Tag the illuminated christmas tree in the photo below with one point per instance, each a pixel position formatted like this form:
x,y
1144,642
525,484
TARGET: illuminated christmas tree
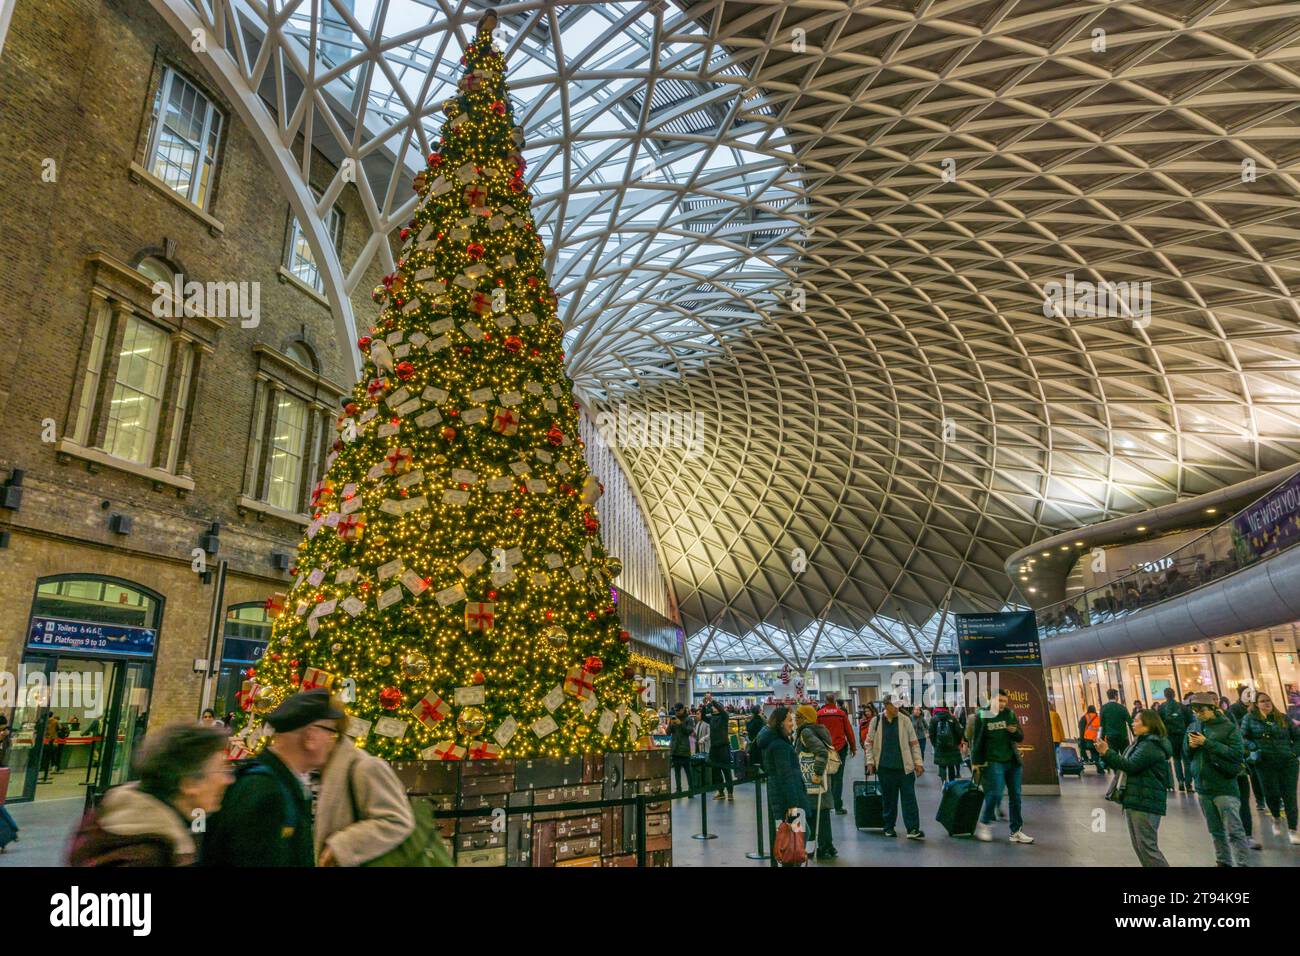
x,y
452,583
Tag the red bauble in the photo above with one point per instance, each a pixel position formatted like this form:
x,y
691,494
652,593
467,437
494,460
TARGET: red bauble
x,y
514,343
449,433
591,615
404,233
405,370
475,251
624,636
629,671
390,698
549,615
492,595
499,108
555,436
363,343
592,665
351,408
478,677
532,282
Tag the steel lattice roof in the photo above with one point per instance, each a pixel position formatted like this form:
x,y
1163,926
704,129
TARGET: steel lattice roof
x,y
919,172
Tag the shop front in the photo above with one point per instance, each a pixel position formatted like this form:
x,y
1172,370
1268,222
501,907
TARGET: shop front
x,y
244,639
1257,660
81,695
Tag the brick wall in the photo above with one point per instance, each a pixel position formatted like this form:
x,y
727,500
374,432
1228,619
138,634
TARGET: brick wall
x,y
76,80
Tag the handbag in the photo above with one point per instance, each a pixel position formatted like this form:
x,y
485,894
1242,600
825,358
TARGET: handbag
x,y
1118,786
790,848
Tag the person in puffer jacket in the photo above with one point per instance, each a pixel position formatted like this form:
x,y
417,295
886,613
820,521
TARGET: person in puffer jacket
x,y
815,739
1145,763
1272,742
1218,760
183,772
785,789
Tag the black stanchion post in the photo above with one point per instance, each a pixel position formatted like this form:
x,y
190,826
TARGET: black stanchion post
x,y
640,829
758,820
704,833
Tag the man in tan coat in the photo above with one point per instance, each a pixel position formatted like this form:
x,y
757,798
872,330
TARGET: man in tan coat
x,y
893,751
362,810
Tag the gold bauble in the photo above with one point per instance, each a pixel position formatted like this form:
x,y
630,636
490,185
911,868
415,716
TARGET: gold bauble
x,y
265,700
471,721
384,660
556,636
614,566
414,664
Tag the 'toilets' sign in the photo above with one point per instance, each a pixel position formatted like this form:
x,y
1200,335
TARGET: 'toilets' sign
x,y
88,637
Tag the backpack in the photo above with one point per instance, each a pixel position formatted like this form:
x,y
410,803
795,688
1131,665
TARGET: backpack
x,y
943,733
254,767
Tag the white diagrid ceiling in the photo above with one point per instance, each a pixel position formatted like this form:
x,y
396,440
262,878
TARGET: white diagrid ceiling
x,y
918,172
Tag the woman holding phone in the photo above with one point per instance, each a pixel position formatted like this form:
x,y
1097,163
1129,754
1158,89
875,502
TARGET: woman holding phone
x,y
1142,789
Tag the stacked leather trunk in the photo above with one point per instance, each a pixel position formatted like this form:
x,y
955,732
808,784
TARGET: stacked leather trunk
x,y
595,836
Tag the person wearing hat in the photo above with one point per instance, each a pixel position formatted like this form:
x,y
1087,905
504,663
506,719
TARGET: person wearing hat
x,y
1218,759
816,740
265,818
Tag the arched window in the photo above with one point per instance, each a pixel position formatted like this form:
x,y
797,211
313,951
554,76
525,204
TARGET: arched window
x,y
301,353
154,268
93,597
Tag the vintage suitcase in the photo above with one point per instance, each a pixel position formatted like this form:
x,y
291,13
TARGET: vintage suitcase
x,y
576,846
581,861
544,843
662,858
658,823
960,806
480,840
547,772
519,839
645,764
593,768
613,776
491,857
623,859
581,793
663,841
483,801
868,806
475,786
422,777
477,824
487,768
588,825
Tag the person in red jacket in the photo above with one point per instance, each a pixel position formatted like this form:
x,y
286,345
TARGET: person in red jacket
x,y
842,739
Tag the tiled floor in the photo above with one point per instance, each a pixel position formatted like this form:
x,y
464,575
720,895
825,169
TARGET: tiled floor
x,y
1078,828
43,830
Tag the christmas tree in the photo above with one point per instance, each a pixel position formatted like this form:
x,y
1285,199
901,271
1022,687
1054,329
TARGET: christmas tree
x,y
452,584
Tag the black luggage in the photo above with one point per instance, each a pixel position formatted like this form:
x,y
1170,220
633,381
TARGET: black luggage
x,y
959,808
1068,761
868,806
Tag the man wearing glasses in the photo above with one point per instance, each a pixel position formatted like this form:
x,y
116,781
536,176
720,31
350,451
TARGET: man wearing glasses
x,y
265,817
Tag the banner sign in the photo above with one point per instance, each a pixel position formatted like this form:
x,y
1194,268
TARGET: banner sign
x,y
1001,652
88,637
1270,524
1007,639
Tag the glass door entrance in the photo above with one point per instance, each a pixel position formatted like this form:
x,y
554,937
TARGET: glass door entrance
x,y
76,726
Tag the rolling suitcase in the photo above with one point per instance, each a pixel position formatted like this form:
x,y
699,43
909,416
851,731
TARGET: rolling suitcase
x,y
868,805
959,808
1068,761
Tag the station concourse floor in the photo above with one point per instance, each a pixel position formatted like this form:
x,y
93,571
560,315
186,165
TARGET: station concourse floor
x,y
1063,829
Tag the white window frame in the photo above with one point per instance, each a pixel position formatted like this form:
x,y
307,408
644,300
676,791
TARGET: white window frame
x,y
199,189
299,264
159,401
274,451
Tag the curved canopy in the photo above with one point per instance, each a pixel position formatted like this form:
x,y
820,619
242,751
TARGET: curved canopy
x,y
837,255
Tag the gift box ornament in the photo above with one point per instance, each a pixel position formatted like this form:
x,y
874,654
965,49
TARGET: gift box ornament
x,y
399,461
431,709
275,604
314,677
479,616
352,527
579,683
505,421
445,750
